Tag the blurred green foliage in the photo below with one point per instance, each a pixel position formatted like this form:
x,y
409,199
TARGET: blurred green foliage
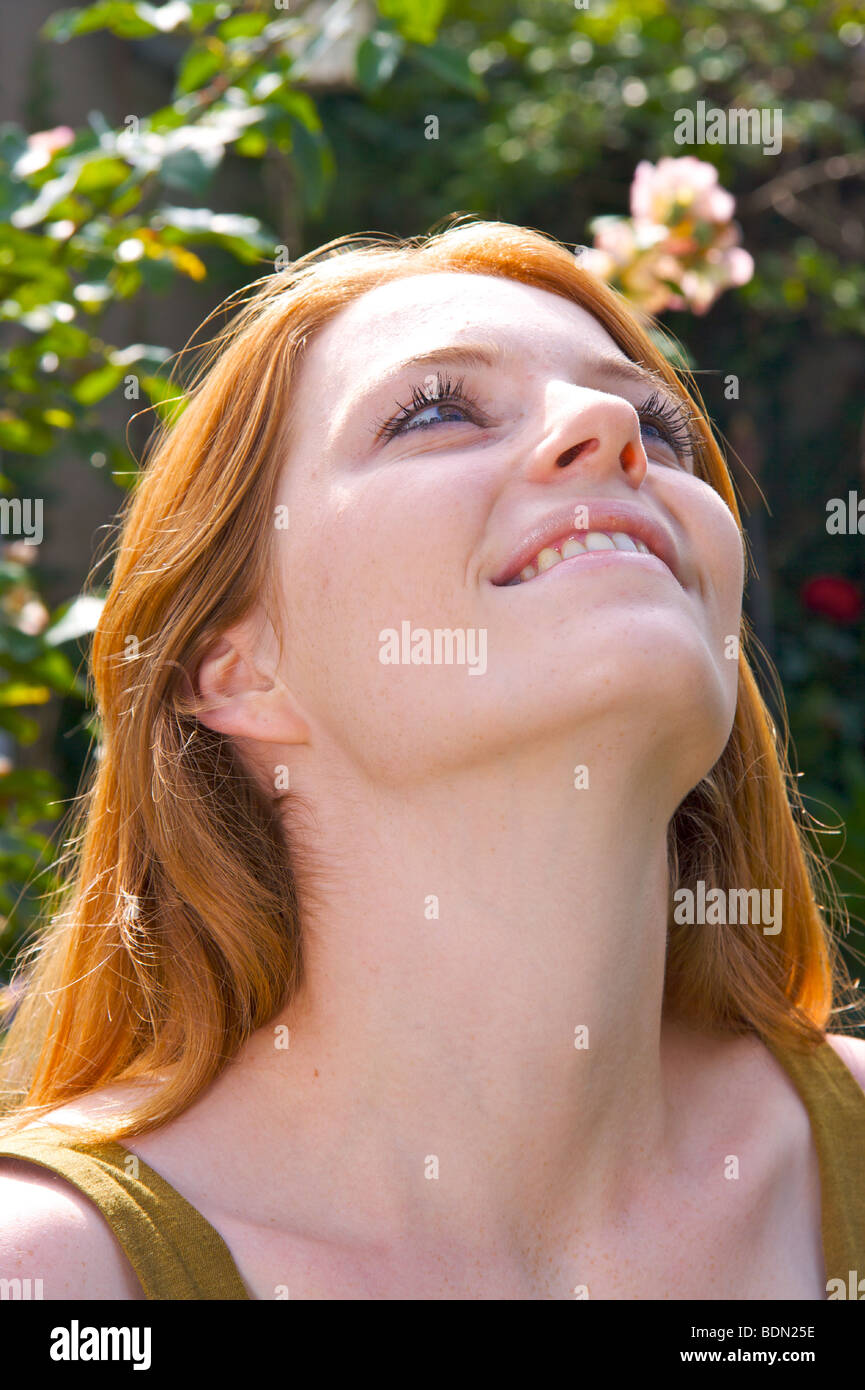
x,y
541,112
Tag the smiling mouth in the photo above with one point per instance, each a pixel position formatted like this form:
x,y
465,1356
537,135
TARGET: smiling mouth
x,y
576,544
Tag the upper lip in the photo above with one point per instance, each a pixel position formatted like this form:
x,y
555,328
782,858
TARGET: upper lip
x,y
603,515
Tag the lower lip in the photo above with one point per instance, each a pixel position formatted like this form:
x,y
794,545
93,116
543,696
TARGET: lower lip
x,y
599,559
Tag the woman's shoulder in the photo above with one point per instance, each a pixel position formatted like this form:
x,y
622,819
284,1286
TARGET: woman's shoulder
x,y
852,1054
764,1094
52,1231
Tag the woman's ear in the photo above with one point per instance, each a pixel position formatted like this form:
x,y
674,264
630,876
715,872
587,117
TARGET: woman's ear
x,y
237,692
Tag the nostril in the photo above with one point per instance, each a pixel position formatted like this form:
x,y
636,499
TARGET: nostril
x,y
574,452
629,456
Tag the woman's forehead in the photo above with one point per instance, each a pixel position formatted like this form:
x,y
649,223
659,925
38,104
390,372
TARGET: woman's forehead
x,y
413,315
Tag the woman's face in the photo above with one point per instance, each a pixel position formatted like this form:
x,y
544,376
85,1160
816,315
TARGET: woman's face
x,y
451,427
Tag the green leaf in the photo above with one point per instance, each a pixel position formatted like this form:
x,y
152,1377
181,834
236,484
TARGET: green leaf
x,y
167,118
23,436
166,396
125,201
118,16
66,339
377,59
53,668
40,283
452,67
241,26
189,171
197,69
101,172
300,106
58,419
18,693
417,20
95,385
127,281
253,144
204,12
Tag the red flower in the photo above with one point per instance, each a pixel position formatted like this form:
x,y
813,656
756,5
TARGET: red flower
x,y
833,597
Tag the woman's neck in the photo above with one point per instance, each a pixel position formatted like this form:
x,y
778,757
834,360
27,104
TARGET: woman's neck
x,y
484,968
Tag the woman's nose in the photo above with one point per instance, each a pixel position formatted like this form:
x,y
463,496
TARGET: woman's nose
x,y
597,437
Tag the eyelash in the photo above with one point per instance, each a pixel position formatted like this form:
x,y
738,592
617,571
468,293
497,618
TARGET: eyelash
x,y
675,423
657,410
445,393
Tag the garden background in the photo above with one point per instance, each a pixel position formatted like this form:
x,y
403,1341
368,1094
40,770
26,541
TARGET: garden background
x,y
153,158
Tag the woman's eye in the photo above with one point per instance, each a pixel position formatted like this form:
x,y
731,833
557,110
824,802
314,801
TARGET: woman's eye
x,y
667,423
438,402
443,411
660,432
675,437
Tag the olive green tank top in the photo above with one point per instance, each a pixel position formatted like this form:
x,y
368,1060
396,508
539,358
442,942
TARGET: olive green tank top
x,y
177,1254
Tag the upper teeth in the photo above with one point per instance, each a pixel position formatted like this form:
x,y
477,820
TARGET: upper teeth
x,y
578,544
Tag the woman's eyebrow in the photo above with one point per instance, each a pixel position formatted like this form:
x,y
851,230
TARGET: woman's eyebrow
x,y
494,353
625,369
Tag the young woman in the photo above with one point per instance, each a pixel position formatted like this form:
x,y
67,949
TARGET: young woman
x,y
424,711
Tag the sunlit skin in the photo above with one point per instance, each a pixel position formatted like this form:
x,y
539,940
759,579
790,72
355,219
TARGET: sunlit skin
x,y
453,1036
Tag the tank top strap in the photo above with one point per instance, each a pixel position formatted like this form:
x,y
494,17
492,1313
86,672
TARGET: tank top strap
x,y
174,1251
836,1107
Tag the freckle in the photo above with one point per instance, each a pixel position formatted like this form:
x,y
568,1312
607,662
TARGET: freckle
x,y
315,1071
